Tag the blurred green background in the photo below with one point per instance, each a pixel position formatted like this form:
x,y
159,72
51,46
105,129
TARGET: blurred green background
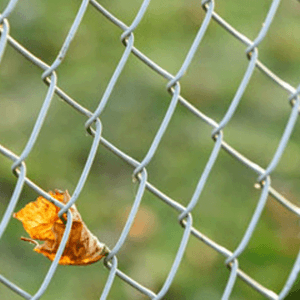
x,y
130,121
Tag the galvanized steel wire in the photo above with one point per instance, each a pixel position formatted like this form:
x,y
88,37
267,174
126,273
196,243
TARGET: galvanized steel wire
x,y
93,126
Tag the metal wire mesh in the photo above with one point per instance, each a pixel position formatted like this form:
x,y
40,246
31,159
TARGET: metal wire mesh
x,y
94,128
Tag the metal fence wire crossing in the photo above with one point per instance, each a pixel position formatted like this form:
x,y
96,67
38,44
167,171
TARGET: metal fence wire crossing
x,y
93,126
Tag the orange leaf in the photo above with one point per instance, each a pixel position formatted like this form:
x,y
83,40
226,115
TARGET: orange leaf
x,y
41,222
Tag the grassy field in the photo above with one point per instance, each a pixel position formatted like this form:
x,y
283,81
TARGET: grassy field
x,y
132,117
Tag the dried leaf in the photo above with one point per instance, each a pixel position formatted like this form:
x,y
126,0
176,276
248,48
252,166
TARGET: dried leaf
x,y
41,222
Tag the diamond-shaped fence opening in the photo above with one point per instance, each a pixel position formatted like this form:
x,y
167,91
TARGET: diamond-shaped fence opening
x,y
174,127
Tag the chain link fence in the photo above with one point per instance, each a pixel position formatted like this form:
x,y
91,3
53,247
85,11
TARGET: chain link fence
x,y
93,127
